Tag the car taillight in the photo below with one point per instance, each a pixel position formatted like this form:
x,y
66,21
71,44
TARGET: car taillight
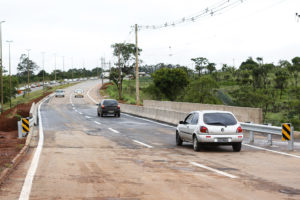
x,y
102,106
239,130
119,106
203,129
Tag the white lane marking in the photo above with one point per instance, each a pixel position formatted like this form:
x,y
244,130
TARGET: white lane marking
x,y
113,130
149,120
214,170
80,113
141,143
76,110
88,117
26,189
88,94
278,152
97,122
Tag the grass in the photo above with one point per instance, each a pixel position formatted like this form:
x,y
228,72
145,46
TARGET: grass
x,y
32,96
129,91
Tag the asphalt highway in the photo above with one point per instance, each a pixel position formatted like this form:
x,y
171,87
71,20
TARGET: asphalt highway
x,y
89,157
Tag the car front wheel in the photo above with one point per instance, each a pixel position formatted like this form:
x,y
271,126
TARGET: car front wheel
x,y
196,145
237,147
178,139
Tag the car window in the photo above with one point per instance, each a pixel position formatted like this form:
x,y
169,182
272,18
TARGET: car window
x,y
195,118
110,103
219,119
188,119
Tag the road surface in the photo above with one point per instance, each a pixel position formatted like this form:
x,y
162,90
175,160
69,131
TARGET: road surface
x,y
88,157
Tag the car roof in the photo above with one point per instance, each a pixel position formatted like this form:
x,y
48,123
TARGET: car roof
x,y
210,111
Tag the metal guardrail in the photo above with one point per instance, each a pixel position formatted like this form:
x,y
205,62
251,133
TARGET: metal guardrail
x,y
267,129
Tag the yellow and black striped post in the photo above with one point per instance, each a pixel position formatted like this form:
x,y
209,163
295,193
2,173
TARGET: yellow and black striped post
x,y
25,125
286,132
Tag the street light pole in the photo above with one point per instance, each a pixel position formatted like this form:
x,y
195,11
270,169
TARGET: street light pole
x,y
55,67
137,83
43,63
9,61
28,75
1,67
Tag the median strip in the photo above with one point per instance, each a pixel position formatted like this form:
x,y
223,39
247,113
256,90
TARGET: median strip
x,y
214,170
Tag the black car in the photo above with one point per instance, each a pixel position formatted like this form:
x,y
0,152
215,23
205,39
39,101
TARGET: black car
x,y
109,106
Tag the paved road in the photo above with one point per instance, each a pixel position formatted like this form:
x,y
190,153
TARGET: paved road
x,y
88,157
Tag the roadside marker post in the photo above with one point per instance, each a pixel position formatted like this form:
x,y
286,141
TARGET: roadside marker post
x,y
25,126
288,134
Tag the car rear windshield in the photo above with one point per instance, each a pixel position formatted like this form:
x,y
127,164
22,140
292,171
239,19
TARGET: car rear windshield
x,y
110,103
219,119
59,91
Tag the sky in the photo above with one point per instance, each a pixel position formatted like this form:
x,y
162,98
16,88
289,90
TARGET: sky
x,y
81,32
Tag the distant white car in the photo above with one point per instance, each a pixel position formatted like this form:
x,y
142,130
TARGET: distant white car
x,y
59,93
79,93
210,127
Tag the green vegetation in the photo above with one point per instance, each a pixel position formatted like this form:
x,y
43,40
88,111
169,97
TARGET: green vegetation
x,y
272,87
33,95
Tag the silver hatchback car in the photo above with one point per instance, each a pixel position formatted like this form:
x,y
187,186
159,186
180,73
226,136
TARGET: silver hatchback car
x,y
210,127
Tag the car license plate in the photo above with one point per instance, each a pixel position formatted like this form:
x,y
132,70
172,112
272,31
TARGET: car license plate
x,y
111,111
222,140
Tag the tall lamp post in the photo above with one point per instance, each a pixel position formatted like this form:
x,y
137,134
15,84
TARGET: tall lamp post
x,y
28,74
1,67
9,61
43,63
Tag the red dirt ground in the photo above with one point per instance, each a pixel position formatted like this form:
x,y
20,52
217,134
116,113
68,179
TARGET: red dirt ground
x,y
10,145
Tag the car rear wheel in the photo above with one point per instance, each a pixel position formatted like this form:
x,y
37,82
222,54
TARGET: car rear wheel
x,y
178,139
237,147
119,115
101,114
196,145
98,114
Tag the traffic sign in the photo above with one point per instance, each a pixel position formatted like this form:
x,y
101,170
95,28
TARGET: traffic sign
x,y
286,131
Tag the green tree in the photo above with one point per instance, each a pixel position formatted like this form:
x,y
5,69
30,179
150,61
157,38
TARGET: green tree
x,y
202,90
281,77
25,65
211,67
170,82
295,69
200,64
125,52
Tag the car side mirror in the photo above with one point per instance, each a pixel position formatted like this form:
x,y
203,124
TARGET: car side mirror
x,y
181,122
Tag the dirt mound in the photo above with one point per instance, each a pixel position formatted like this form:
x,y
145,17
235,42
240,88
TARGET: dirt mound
x,y
104,86
10,145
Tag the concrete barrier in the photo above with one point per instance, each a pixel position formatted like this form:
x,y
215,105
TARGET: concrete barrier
x,y
171,117
243,114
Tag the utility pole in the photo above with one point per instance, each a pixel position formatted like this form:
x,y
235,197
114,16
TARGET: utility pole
x,y
1,67
28,75
137,83
9,63
119,62
43,63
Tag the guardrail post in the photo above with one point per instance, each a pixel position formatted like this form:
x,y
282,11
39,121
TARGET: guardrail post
x,y
269,137
20,132
251,136
291,142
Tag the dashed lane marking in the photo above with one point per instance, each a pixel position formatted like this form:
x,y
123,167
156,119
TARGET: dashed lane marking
x,y
214,170
113,130
80,113
141,143
88,117
97,122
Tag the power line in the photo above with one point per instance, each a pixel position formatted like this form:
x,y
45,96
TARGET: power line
x,y
207,12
